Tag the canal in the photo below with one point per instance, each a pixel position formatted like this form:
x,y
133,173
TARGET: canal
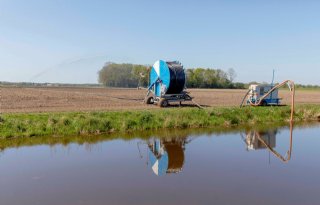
x,y
270,165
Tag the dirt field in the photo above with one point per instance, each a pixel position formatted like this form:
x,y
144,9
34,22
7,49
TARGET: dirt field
x,y
48,99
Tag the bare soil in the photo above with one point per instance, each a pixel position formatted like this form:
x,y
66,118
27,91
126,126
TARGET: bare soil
x,y
53,99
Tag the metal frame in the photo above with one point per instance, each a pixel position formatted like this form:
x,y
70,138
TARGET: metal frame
x,y
170,98
184,96
275,101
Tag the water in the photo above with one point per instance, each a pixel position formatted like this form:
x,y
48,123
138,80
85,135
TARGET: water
x,y
206,167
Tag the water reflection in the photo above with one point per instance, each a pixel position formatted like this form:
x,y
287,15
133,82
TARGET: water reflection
x,y
266,139
200,167
166,156
166,150
256,140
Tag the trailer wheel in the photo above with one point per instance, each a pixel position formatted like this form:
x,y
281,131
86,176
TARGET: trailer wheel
x,y
149,100
163,102
264,103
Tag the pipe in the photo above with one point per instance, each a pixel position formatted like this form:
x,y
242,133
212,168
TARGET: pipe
x,y
291,86
288,153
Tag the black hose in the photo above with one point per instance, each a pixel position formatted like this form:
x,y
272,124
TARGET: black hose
x,y
177,78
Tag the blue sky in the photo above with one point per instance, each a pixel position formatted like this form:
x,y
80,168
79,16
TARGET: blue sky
x,y
69,40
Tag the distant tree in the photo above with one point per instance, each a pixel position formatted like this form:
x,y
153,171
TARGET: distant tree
x,y
123,75
130,75
208,78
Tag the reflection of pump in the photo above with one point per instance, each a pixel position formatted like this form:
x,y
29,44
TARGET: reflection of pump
x,y
267,140
166,156
253,141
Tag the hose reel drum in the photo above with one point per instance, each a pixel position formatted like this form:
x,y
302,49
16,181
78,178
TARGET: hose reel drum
x,y
167,83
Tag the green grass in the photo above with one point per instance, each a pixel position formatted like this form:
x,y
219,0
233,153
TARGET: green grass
x,y
88,123
141,135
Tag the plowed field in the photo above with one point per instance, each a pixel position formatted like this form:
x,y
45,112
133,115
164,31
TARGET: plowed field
x,y
50,99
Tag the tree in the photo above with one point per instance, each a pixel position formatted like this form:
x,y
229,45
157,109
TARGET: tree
x,y
130,75
123,75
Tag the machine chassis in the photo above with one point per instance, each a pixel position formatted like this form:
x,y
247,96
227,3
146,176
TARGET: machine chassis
x,y
166,99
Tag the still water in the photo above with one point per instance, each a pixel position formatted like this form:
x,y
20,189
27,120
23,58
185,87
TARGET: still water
x,y
250,166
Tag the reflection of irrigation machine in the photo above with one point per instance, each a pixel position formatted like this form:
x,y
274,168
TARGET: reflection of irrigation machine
x,y
166,155
167,84
256,140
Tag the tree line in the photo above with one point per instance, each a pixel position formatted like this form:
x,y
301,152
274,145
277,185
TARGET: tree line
x,y
131,76
124,75
212,78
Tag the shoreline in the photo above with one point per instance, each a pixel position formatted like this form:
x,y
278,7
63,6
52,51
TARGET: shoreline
x,y
141,135
16,125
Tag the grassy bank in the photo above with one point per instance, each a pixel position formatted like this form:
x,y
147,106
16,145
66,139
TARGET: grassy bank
x,y
168,134
84,123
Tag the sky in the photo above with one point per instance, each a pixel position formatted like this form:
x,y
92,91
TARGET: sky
x,y
68,41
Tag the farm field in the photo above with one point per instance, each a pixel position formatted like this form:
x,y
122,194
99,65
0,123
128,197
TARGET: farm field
x,y
56,99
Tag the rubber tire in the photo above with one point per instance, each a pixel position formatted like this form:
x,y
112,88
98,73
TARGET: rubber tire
x,y
163,103
264,103
149,100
